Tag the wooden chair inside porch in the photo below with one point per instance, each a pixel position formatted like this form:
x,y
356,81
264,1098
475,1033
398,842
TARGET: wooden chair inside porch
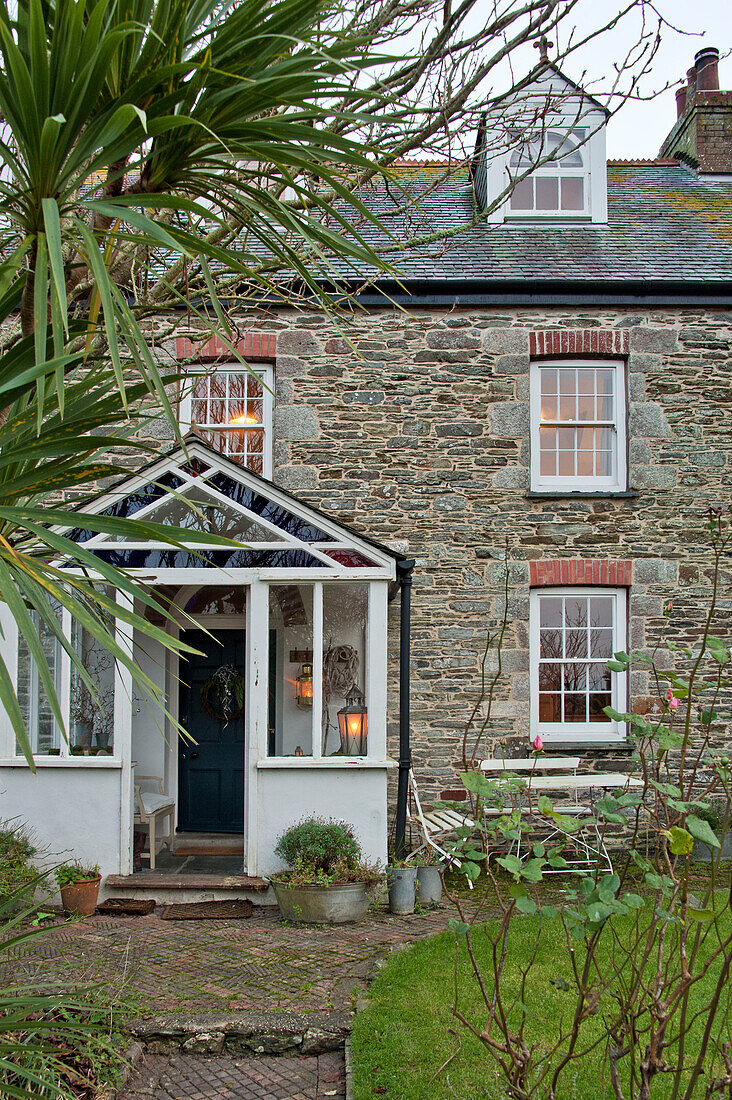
x,y
151,807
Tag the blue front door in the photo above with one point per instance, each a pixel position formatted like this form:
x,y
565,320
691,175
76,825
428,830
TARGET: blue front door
x,y
211,772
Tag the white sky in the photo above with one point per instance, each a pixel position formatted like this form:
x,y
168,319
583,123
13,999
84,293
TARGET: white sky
x,y
639,127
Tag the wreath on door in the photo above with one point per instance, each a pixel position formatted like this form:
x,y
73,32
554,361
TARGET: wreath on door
x,y
222,695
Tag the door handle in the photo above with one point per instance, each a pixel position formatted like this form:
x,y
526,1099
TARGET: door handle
x,y
194,756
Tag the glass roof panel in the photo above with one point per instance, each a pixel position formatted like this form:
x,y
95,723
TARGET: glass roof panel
x,y
353,558
207,514
213,559
294,525
129,505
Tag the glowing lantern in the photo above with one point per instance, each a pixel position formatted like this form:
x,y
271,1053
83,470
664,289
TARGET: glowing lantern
x,y
243,419
352,723
304,687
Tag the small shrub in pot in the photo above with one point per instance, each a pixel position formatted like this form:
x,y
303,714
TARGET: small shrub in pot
x,y
320,843
328,879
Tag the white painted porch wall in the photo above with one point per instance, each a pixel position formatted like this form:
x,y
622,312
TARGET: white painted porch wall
x,y
356,796
73,813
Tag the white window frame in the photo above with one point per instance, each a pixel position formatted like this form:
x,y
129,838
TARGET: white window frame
x,y
555,169
266,373
374,678
580,732
617,480
63,678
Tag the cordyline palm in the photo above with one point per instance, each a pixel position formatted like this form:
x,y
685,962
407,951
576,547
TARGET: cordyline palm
x,y
146,136
42,570
143,140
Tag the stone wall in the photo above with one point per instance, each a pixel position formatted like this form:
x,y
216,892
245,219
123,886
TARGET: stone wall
x,y
422,435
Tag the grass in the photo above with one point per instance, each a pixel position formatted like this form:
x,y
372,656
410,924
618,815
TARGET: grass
x,y
407,1033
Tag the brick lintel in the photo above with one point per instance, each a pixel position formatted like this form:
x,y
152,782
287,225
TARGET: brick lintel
x,y
580,571
255,345
587,342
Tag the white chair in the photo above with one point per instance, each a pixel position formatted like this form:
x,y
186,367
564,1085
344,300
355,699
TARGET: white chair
x,y
439,824
151,806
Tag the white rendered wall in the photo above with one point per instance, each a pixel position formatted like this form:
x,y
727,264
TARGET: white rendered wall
x,y
72,813
285,796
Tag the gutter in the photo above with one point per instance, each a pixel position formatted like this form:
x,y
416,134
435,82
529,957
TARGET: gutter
x,y
448,293
552,292
404,580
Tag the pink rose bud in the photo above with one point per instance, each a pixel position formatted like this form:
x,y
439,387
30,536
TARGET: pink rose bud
x,y
537,744
669,695
674,704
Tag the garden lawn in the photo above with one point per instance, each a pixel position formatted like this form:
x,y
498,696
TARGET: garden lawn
x,y
408,1032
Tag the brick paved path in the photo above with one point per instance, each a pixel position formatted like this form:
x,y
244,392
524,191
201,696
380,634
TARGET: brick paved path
x,y
186,1077
226,965
257,965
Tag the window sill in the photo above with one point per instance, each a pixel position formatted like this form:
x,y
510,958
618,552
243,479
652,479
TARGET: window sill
x,y
343,762
564,217
584,494
62,762
624,746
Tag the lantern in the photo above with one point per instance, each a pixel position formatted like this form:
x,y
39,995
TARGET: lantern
x,y
304,687
352,723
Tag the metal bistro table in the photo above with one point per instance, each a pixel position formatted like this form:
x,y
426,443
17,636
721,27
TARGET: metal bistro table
x,y
561,774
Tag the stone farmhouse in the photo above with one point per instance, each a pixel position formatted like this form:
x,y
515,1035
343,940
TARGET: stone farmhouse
x,y
547,392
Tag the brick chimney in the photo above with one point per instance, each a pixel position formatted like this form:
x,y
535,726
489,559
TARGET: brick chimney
x,y
702,135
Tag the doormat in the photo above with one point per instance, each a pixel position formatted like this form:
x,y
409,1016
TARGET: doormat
x,y
210,850
235,909
126,907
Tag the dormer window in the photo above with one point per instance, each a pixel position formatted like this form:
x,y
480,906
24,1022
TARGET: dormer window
x,y
559,185
543,160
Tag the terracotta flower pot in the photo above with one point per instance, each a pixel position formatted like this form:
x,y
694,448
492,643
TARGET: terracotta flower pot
x,y
79,899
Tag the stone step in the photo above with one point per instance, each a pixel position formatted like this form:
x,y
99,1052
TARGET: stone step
x,y
166,888
243,1032
165,881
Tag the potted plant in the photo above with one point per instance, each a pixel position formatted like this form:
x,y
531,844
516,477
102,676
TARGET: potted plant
x,y
402,881
79,887
328,880
429,878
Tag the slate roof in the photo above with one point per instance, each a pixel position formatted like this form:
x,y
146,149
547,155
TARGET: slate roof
x,y
665,224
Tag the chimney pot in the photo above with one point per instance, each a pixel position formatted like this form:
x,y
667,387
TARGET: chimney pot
x,y
680,101
707,72
691,79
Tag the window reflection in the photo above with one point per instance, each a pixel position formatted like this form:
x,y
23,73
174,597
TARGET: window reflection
x,y
92,705
576,637
228,409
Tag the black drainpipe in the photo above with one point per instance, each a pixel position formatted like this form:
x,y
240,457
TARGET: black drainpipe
x,y
404,579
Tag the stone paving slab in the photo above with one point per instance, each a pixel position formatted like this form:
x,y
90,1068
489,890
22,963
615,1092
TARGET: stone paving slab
x,y
186,1077
258,965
